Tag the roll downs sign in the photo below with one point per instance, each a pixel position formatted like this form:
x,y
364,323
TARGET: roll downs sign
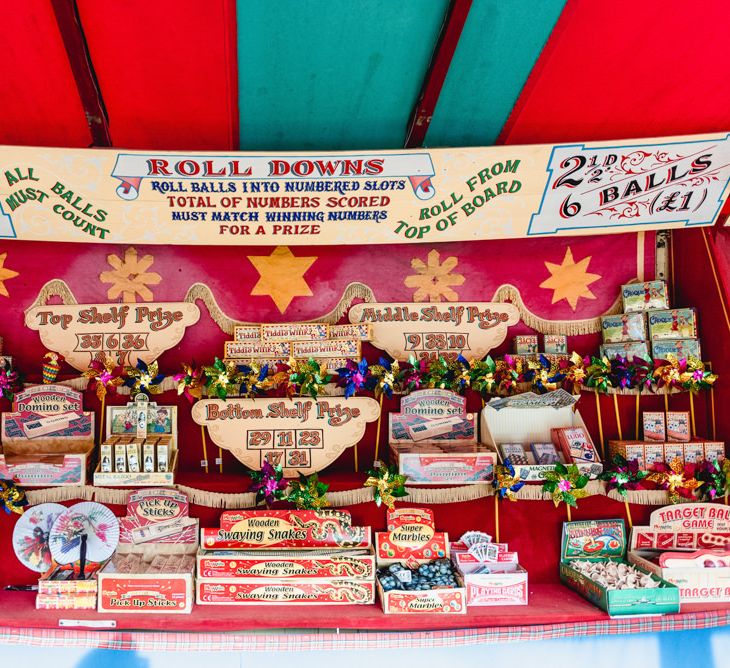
x,y
126,332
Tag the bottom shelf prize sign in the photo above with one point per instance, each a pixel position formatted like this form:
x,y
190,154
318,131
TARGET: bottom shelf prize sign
x,y
302,435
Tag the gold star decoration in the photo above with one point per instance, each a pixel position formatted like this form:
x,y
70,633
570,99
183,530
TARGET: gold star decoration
x,y
281,276
433,279
129,276
5,274
570,280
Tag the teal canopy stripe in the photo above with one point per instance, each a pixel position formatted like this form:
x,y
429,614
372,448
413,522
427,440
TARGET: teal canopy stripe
x,y
323,75
499,46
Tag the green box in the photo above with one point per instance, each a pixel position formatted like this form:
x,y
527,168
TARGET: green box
x,y
602,541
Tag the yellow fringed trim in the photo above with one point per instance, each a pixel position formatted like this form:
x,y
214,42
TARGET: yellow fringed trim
x,y
511,294
350,497
200,291
54,288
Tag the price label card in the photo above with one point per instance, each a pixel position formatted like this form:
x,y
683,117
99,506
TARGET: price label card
x,y
125,332
428,331
302,435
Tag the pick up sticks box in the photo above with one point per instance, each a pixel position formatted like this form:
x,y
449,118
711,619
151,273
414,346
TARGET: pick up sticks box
x,y
153,568
699,532
411,537
602,541
529,419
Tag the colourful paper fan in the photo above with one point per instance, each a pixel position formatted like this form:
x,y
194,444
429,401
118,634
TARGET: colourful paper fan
x,y
484,551
30,535
89,519
472,537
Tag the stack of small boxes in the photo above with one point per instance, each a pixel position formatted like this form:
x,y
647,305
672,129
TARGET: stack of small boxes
x,y
554,344
667,436
131,455
286,557
154,566
647,319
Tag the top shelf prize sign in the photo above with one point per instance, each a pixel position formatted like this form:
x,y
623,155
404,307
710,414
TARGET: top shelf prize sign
x,y
379,197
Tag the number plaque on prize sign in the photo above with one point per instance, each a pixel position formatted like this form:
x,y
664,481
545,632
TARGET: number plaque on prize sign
x,y
428,331
126,332
302,435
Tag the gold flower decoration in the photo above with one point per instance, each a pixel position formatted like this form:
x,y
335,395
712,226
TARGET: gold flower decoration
x,y
130,277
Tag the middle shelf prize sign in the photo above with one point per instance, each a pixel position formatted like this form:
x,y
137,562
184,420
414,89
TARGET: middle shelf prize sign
x,y
302,435
428,331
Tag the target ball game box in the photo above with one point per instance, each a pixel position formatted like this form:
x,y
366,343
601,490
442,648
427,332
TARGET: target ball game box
x,y
689,546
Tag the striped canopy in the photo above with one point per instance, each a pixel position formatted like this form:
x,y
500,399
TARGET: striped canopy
x,y
326,75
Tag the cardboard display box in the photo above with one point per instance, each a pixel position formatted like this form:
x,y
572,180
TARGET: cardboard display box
x,y
411,538
496,588
48,439
153,569
452,465
155,592
307,565
529,419
55,466
505,584
433,440
701,529
433,417
605,540
140,478
295,591
443,601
